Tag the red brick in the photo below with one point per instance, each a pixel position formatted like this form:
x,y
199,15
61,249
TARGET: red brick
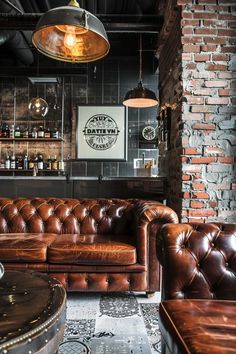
x,y
203,92
229,49
198,220
186,195
187,15
204,15
208,48
203,160
187,30
213,150
233,84
193,116
220,57
207,31
206,126
233,101
215,83
191,40
202,212
226,17
216,67
212,204
232,24
225,75
191,48
225,160
198,186
184,159
200,109
191,23
190,151
201,195
218,40
217,100
187,56
196,204
201,57
233,186
191,66
224,92
186,177
195,100
226,32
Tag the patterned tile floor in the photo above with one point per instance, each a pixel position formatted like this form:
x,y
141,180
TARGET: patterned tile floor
x,y
111,324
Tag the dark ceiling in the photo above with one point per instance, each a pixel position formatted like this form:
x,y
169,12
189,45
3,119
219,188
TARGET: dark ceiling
x,y
123,20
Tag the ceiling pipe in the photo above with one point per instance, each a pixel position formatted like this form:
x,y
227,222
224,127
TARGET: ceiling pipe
x,y
15,40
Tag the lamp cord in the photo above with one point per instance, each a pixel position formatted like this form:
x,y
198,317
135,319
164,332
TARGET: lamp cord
x,y
140,57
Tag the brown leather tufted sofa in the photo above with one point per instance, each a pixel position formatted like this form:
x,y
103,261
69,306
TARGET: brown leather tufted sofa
x,y
87,244
197,312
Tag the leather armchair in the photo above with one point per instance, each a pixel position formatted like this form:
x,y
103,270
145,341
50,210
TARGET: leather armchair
x,y
198,262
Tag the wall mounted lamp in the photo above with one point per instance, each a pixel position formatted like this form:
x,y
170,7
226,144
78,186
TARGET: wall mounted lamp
x,y
69,33
140,97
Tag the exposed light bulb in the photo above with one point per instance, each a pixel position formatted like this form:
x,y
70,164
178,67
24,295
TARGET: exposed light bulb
x,y
69,40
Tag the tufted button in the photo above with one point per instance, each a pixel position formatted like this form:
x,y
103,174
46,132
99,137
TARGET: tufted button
x,y
226,264
182,246
213,245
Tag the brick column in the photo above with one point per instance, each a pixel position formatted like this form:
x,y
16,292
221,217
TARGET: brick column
x,y
206,126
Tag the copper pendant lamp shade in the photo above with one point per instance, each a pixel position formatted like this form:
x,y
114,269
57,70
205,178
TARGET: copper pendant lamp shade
x,y
140,97
71,34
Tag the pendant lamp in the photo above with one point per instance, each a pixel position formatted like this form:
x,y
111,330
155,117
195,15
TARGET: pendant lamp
x,y
38,107
140,97
71,34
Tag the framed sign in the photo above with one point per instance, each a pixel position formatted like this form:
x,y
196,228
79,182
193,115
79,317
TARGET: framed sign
x,y
101,133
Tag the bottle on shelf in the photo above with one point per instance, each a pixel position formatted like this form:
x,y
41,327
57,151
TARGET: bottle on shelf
x,y
61,165
34,133
7,162
49,163
26,163
41,132
54,163
31,163
12,131
47,133
6,131
26,133
55,133
17,133
12,162
20,162
40,162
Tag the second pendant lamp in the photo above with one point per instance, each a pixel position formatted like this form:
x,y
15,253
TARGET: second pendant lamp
x,y
140,97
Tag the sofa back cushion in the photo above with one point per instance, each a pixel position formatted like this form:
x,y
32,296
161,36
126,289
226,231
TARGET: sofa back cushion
x,y
198,260
73,216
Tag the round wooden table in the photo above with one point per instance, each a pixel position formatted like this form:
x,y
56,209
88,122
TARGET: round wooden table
x,y
32,313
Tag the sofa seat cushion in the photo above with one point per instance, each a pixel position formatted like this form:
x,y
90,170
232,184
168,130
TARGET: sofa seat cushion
x,y
91,249
16,247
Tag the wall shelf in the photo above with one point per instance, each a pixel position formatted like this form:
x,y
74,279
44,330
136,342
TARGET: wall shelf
x,y
31,139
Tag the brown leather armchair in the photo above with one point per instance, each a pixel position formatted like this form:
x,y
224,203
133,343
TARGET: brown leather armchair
x,y
197,312
88,244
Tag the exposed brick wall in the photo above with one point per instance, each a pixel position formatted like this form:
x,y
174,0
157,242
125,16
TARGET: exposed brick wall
x,y
207,127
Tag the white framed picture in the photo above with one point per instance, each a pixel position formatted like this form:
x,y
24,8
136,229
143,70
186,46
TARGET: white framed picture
x,y
101,133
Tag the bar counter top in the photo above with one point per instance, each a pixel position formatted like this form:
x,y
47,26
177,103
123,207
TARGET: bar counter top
x,y
85,178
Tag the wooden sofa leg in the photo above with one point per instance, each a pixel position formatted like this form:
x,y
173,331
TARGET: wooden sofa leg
x,y
150,294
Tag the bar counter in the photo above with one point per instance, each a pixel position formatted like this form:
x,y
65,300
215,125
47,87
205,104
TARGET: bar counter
x,y
83,187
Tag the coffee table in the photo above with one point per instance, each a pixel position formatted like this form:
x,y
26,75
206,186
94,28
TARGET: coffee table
x,y
32,313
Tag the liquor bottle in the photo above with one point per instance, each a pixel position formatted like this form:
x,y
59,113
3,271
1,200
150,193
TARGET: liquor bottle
x,y
12,131
55,133
25,133
41,132
54,163
26,163
7,162
49,163
47,133
40,162
31,163
6,131
17,132
20,162
34,133
12,162
61,165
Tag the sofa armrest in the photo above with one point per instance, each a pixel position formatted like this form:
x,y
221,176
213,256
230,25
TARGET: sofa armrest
x,y
149,217
198,260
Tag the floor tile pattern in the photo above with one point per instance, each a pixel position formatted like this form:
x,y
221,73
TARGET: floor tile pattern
x,y
111,324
